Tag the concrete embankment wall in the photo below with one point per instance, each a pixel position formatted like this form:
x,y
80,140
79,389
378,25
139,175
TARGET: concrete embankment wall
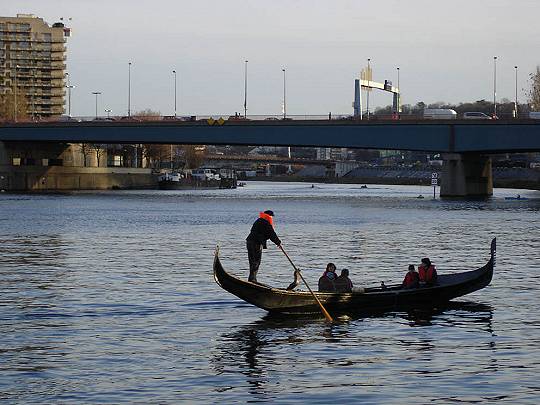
x,y
51,178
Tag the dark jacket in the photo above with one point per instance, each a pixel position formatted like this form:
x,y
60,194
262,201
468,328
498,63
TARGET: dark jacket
x,y
326,284
261,231
343,284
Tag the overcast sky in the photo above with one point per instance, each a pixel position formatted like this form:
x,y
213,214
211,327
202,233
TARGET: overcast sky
x,y
444,50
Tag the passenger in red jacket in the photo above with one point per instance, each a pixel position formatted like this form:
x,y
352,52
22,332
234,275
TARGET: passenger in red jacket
x,y
412,279
427,272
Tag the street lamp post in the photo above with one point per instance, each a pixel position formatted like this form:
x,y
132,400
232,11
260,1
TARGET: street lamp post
x,y
15,95
69,87
284,95
516,102
33,95
170,146
368,89
245,87
108,111
174,73
129,89
399,94
494,87
96,93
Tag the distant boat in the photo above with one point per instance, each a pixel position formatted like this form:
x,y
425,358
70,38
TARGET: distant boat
x,y
201,178
518,197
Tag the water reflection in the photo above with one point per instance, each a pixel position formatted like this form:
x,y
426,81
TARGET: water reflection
x,y
256,350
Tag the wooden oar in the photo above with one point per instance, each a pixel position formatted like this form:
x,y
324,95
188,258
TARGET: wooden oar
x,y
323,309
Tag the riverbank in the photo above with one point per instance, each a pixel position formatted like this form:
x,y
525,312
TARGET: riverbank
x,y
521,178
62,178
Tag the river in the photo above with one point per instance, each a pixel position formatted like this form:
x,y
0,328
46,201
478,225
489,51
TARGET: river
x,y
108,297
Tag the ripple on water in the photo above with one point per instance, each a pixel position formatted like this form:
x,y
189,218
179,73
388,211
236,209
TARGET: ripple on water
x,y
109,298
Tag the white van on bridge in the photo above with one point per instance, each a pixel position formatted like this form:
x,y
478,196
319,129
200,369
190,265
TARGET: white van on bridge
x,y
439,114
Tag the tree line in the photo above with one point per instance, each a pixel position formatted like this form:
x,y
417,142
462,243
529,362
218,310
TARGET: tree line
x,y
505,107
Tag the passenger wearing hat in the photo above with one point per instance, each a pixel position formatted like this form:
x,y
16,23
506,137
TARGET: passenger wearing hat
x,y
261,231
427,272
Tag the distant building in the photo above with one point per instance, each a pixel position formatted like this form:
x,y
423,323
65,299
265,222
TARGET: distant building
x,y
332,153
32,59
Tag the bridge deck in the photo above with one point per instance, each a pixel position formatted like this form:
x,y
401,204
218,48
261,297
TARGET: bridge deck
x,y
438,136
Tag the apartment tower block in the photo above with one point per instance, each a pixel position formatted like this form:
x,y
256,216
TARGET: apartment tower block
x,y
32,64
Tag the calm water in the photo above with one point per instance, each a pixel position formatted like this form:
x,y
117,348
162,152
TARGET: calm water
x,y
109,298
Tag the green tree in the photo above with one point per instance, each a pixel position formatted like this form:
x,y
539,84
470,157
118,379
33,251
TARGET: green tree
x,y
534,91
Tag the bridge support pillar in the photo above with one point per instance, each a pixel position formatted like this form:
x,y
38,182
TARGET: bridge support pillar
x,y
466,175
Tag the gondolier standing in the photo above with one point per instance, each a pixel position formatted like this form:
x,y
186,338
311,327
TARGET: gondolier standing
x,y
261,231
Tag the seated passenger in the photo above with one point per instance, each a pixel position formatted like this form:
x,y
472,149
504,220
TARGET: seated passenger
x,y
327,280
412,279
343,282
427,272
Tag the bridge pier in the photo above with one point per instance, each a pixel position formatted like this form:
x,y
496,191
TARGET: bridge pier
x,y
466,175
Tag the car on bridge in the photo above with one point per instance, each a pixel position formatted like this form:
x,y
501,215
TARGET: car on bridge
x,y
475,115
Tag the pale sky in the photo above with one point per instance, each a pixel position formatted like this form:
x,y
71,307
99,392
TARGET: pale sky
x,y
444,50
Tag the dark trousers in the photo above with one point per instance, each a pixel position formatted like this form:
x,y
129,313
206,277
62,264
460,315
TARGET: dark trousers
x,y
254,256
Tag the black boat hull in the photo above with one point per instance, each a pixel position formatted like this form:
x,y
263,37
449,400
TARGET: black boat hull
x,y
371,299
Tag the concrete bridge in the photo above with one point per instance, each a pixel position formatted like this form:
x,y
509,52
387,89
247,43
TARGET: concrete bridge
x,y
466,145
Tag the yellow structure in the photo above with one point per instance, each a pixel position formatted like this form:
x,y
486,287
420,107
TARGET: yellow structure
x,y
32,60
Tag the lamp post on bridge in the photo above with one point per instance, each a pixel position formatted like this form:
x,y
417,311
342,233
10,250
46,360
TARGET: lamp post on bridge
x,y
516,102
108,111
69,87
494,87
129,89
245,87
398,95
284,95
96,93
15,95
174,73
368,89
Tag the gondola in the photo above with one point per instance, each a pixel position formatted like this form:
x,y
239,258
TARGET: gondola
x,y
277,300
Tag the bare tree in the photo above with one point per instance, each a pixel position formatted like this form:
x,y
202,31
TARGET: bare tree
x,y
86,149
193,156
155,154
148,115
534,91
99,149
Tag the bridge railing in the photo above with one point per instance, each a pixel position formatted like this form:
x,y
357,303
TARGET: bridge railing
x,y
190,118
238,118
